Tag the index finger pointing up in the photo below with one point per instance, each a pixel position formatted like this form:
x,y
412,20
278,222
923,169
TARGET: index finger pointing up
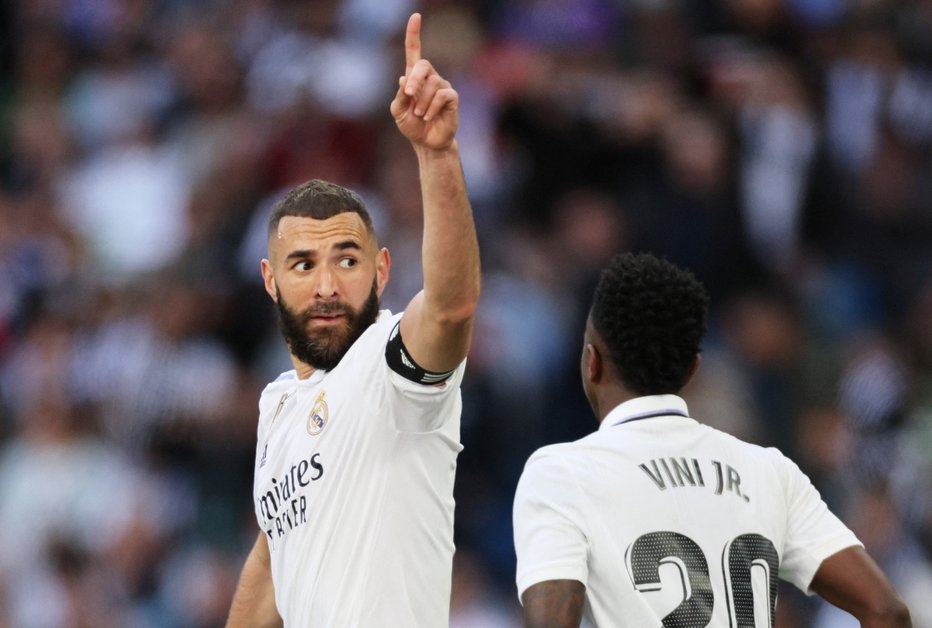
x,y
413,41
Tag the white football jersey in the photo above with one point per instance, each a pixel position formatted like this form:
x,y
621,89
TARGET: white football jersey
x,y
354,491
670,522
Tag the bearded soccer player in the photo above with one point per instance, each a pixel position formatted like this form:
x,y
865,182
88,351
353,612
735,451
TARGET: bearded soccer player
x,y
357,445
658,520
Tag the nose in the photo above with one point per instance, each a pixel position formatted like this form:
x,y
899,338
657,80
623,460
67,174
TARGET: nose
x,y
326,283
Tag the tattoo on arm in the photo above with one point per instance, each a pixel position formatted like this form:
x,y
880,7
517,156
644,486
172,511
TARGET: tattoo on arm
x,y
554,604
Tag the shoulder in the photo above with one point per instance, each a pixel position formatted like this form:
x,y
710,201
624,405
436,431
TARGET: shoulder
x,y
769,455
378,333
774,458
557,453
549,487
281,382
552,465
768,461
287,376
566,453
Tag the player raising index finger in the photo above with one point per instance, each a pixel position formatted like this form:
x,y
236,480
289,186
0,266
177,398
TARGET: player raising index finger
x,y
425,106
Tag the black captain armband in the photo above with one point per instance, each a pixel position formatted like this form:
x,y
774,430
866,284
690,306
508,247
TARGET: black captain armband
x,y
400,361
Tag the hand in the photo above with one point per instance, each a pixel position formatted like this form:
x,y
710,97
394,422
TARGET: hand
x,y
425,106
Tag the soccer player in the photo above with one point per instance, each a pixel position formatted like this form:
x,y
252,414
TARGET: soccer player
x,y
658,520
357,445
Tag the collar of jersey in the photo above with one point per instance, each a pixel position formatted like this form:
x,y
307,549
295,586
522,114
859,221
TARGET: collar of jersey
x,y
291,377
315,378
645,408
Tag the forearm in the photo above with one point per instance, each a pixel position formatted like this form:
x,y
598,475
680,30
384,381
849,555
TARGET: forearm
x,y
895,618
554,604
437,324
450,252
254,601
852,581
885,611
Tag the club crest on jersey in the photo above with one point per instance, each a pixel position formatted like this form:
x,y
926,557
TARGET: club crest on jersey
x,y
317,419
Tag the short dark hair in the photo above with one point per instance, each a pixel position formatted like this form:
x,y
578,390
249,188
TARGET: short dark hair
x,y
319,200
651,314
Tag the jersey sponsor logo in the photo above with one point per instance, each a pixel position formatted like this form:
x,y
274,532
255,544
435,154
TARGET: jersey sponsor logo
x,y
282,504
319,415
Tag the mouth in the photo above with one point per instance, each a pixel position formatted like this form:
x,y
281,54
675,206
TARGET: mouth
x,y
328,319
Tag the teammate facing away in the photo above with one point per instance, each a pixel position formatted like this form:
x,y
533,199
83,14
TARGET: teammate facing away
x,y
357,445
658,520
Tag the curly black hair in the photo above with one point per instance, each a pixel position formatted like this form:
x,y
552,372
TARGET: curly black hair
x,y
651,314
320,200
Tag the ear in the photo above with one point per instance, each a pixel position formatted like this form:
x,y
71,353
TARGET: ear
x,y
592,361
269,279
383,263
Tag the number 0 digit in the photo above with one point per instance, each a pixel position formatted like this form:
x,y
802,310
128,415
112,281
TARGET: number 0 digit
x,y
745,552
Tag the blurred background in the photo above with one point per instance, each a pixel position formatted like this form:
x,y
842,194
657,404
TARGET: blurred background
x,y
778,148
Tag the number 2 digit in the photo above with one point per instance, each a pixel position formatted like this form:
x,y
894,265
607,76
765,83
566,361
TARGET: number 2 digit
x,y
656,548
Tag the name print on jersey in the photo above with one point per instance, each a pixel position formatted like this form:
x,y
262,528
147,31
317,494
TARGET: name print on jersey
x,y
283,506
679,472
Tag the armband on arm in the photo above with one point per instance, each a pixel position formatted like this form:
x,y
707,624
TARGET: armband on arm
x,y
400,361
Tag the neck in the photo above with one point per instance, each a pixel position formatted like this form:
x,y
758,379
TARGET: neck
x,y
303,370
610,398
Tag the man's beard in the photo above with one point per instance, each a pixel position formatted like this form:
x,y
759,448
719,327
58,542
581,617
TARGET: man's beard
x,y
323,348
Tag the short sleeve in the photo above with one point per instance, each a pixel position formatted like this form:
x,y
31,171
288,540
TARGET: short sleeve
x,y
813,532
424,407
550,542
406,405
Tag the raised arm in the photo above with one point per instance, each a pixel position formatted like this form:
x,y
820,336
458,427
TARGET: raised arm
x,y
853,582
254,601
437,324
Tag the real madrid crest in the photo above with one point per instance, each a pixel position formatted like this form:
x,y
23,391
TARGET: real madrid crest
x,y
317,419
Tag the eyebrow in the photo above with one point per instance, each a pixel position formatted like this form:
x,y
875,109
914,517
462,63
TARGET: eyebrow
x,y
347,244
310,254
301,254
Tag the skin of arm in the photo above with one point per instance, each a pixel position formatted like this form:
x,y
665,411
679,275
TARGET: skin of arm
x,y
437,324
254,601
554,604
853,582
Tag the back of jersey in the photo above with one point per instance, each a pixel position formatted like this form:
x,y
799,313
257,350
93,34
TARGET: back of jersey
x,y
671,523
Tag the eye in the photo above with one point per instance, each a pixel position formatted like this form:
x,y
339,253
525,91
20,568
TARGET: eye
x,y
347,262
303,266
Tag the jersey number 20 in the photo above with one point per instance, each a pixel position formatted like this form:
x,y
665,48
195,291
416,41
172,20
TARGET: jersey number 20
x,y
650,551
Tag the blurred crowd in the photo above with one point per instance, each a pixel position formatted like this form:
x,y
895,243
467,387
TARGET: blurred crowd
x,y
781,149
